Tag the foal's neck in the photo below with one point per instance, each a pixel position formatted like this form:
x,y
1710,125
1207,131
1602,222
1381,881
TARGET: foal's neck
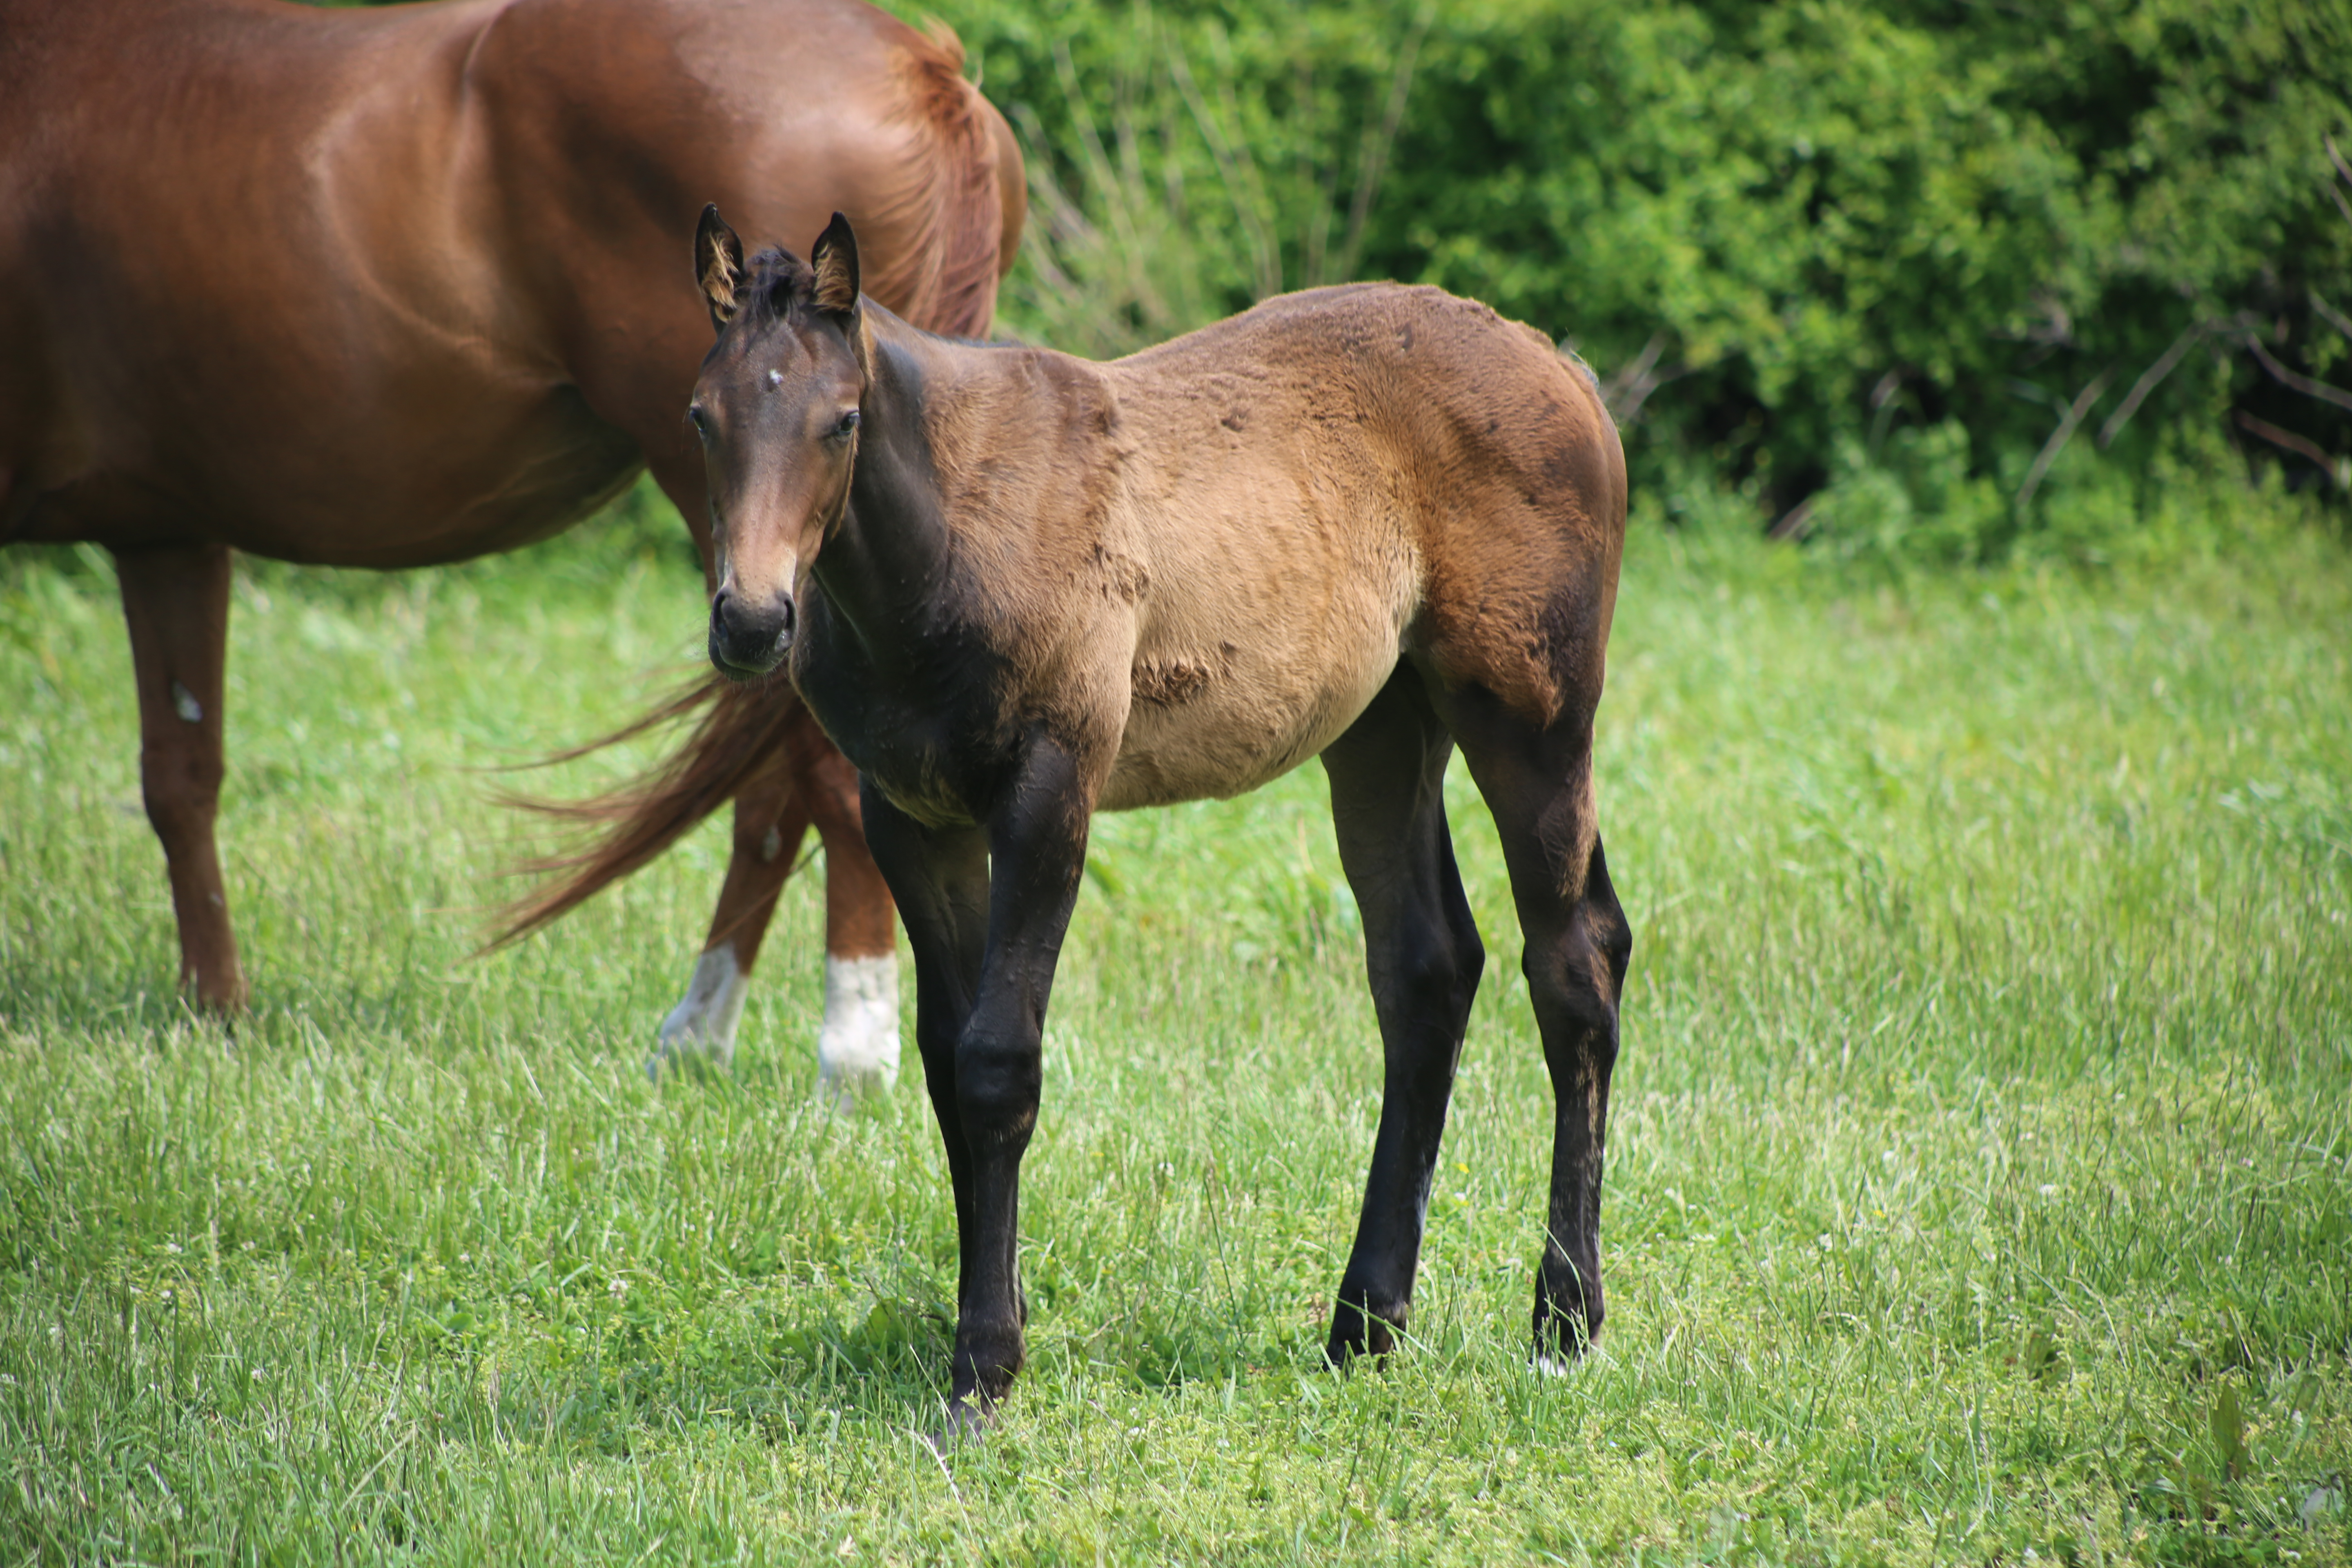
x,y
885,567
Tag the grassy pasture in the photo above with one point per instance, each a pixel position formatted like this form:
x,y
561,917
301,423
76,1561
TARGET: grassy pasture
x,y
1981,1175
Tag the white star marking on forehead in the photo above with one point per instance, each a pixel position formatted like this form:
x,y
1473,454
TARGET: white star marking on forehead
x,y
775,378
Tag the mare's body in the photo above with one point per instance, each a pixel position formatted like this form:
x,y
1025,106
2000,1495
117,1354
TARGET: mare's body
x,y
386,287
1365,524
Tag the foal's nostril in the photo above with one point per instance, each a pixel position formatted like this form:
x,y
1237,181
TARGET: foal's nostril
x,y
742,640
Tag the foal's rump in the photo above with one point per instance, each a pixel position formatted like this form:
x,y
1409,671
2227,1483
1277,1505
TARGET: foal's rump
x,y
1338,479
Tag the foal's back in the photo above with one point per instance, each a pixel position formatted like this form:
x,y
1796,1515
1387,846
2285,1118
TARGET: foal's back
x,y
1340,477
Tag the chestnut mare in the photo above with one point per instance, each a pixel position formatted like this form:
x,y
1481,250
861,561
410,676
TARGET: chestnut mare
x,y
387,288
1368,523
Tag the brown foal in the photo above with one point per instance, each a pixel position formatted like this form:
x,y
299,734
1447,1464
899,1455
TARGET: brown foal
x,y
1368,524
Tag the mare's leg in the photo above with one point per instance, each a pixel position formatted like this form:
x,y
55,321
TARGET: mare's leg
x,y
986,1087
770,820
1538,782
806,780
1421,949
809,781
175,600
858,1046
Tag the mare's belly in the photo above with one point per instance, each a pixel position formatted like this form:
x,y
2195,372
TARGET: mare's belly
x,y
388,488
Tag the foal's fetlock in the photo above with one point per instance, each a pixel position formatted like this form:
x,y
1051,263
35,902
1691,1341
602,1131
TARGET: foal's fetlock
x,y
1567,1322
1360,1329
986,1362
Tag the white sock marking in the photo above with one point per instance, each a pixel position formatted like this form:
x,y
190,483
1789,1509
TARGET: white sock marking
x,y
704,1023
857,1048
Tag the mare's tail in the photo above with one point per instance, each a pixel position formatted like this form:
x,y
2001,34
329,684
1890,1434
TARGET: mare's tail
x,y
962,198
740,734
967,198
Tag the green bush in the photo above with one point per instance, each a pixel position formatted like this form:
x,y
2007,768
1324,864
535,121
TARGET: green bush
x,y
1916,260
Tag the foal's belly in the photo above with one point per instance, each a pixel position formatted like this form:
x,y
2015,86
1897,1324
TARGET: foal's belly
x,y
1220,705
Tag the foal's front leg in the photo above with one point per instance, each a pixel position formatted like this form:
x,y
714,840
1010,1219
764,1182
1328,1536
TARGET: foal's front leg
x,y
985,1086
1038,843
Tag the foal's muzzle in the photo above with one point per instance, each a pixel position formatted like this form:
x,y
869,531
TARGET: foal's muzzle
x,y
744,642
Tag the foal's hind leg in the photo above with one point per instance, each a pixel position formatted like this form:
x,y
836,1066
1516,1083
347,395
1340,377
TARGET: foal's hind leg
x,y
175,601
1388,778
1538,782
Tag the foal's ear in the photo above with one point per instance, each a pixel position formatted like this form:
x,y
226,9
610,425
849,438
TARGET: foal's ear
x,y
718,265
833,259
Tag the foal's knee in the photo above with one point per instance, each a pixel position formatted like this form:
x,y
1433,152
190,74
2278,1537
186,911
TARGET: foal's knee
x,y
997,1084
1436,975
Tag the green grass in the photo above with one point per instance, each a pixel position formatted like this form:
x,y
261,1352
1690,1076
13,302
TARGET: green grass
x,y
1980,1184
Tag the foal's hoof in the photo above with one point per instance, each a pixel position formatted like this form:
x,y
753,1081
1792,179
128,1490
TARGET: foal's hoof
x,y
967,1421
1356,1333
1564,1337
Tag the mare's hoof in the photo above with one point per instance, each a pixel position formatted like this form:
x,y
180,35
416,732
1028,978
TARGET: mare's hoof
x,y
842,1093
693,1064
221,1000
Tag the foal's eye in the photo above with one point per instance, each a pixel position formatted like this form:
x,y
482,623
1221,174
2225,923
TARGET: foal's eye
x,y
699,420
846,426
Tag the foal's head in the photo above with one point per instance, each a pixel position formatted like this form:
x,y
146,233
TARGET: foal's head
x,y
777,411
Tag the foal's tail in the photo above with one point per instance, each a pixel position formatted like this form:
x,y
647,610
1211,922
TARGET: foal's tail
x,y
740,734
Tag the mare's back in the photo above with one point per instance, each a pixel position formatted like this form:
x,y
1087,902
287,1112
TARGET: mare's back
x,y
252,236
384,287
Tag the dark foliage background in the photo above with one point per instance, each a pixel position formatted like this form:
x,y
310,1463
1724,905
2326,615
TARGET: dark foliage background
x,y
1875,255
